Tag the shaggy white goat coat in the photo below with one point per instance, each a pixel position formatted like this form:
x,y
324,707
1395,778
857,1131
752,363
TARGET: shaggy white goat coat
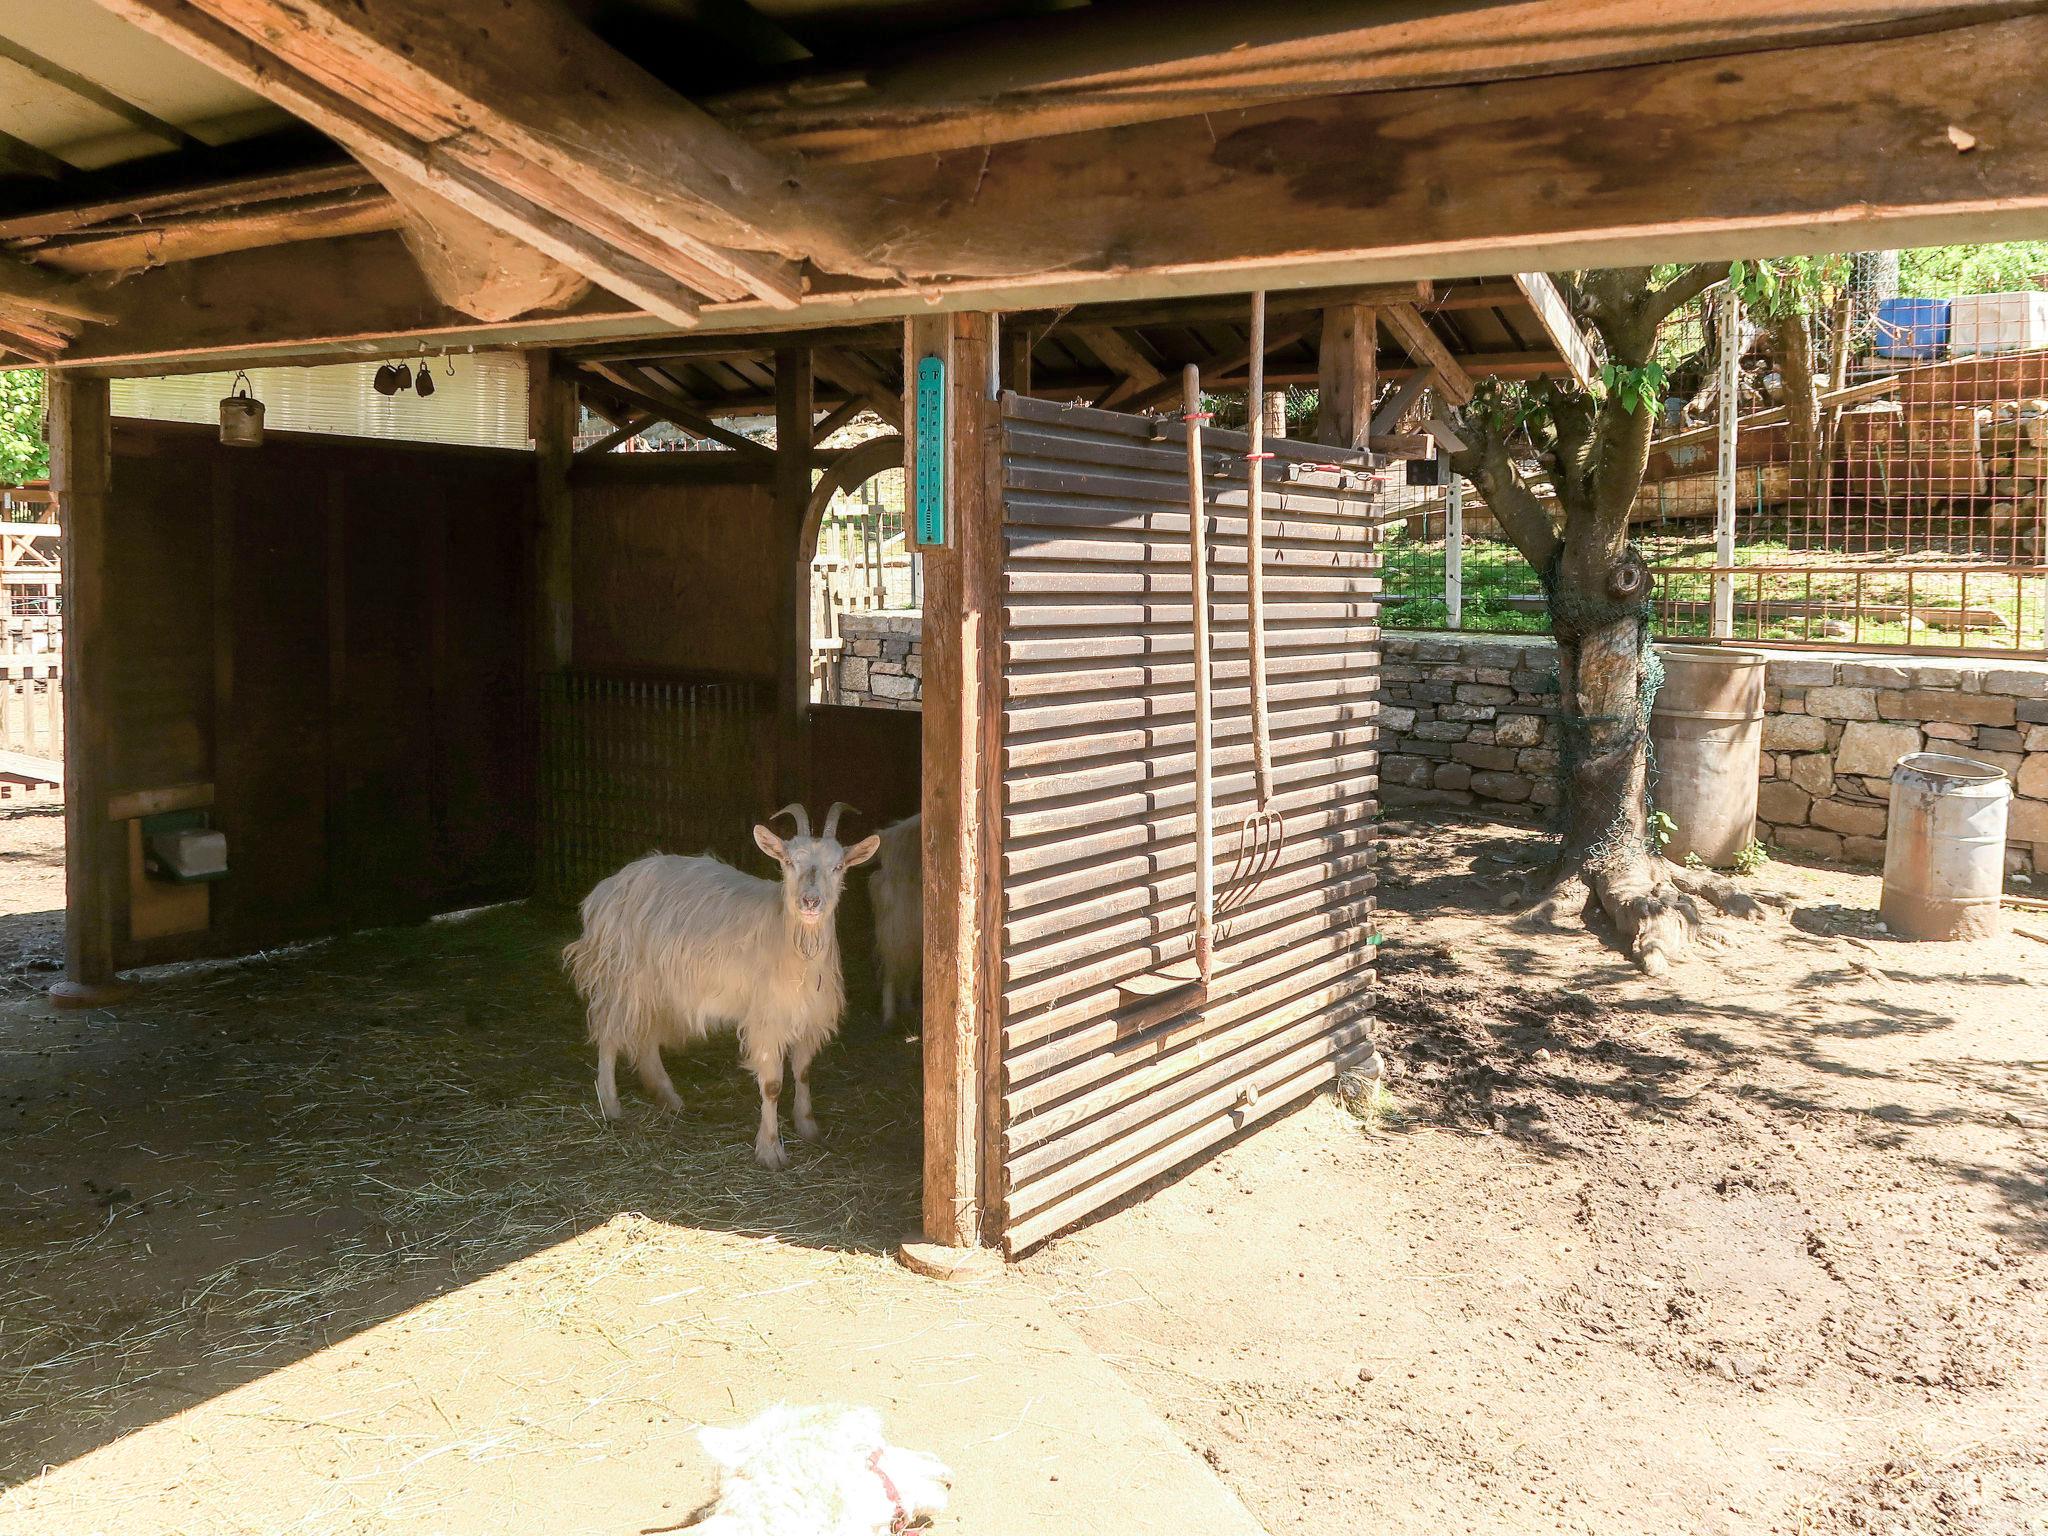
x,y
897,891
818,1472
676,948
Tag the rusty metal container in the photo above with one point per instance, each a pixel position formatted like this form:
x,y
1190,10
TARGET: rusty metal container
x,y
1707,728
1944,847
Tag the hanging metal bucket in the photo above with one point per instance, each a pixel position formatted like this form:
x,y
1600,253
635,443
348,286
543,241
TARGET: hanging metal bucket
x,y
1944,847
1707,726
241,416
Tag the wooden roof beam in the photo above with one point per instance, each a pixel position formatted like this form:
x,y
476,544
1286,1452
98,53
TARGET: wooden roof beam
x,y
521,116
638,388
1286,189
1555,316
860,378
1407,326
1219,365
189,237
1093,68
1117,352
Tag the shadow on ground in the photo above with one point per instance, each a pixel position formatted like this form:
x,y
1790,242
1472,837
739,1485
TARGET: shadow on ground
x,y
253,1160
1547,1041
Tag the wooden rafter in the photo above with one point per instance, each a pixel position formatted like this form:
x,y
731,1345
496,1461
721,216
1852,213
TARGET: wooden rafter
x,y
1218,365
1399,399
640,388
1281,197
525,119
1405,323
1116,351
838,417
860,378
217,232
21,158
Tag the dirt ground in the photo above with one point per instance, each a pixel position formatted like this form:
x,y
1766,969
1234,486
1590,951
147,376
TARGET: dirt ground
x,y
1759,1247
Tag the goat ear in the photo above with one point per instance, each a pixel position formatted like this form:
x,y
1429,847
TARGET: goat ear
x,y
771,845
860,852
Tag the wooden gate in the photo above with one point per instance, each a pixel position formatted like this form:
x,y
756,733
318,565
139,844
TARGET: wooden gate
x,y
1108,1076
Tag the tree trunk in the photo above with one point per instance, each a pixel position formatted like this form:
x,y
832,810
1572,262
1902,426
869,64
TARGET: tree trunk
x,y
1603,767
1600,618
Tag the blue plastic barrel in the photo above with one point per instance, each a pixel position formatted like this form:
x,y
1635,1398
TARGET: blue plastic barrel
x,y
1912,328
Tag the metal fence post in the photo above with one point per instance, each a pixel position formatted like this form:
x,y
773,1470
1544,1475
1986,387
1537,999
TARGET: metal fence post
x,y
1724,466
1454,556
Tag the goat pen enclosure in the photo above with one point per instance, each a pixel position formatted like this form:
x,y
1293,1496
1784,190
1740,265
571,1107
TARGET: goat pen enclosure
x,y
1107,1081
318,649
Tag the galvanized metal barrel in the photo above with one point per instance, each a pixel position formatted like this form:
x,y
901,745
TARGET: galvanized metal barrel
x,y
1944,847
1707,727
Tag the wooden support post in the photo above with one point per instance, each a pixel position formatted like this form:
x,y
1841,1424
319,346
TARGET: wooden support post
x,y
1346,380
551,421
794,393
81,475
962,790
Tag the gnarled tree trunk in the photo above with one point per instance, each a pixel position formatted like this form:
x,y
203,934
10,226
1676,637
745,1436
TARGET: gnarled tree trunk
x,y
1594,450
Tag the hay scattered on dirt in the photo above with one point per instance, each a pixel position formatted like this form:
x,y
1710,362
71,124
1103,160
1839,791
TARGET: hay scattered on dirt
x,y
256,1158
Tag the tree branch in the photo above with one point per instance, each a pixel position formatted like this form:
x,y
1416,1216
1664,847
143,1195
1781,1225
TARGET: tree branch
x,y
1681,290
1487,463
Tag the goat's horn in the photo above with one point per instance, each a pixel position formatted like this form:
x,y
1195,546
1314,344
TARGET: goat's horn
x,y
832,817
796,813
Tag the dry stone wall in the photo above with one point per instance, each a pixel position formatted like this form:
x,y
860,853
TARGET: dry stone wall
x,y
1470,720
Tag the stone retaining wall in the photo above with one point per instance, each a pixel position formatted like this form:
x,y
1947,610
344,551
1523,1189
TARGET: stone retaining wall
x,y
881,660
1470,720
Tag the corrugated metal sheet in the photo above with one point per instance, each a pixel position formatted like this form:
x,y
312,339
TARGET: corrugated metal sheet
x,y
478,399
1098,798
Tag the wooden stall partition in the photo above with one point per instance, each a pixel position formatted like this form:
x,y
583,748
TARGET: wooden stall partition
x,y
632,765
1107,1082
672,571
319,645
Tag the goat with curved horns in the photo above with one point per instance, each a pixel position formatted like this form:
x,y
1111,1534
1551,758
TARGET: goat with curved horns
x,y
676,948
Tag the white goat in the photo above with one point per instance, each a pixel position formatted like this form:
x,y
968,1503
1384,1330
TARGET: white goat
x,y
675,948
818,1472
897,889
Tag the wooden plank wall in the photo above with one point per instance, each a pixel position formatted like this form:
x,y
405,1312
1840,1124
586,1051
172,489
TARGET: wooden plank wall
x,y
332,634
1097,825
673,576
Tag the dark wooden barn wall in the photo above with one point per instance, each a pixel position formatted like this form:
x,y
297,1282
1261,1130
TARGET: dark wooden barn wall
x,y
332,634
1097,818
672,577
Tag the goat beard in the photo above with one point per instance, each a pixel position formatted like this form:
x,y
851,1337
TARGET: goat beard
x,y
810,939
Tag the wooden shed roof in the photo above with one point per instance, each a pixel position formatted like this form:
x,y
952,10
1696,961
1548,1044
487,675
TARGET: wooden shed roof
x,y
179,181
1126,355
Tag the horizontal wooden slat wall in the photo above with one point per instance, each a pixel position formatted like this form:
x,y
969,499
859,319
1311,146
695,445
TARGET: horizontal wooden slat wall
x,y
1098,802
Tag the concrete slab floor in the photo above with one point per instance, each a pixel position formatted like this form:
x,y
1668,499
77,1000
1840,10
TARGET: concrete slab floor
x,y
559,1394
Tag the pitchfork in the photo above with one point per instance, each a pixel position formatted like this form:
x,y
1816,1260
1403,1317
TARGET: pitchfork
x,y
1260,839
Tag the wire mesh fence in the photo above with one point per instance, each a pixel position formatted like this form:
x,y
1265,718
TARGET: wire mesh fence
x,y
1887,489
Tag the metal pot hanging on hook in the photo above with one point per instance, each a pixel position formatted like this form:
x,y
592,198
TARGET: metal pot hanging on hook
x,y
241,415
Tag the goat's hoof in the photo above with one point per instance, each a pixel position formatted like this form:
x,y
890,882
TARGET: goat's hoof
x,y
807,1130
772,1154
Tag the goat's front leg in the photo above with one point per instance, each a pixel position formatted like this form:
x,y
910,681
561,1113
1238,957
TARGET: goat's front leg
x,y
800,1061
768,1149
